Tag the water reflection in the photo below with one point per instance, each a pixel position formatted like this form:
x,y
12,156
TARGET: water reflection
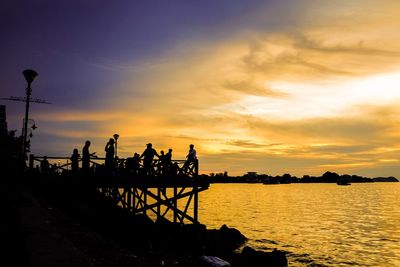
x,y
318,224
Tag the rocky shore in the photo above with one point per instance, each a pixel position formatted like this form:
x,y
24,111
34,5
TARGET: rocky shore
x,y
67,226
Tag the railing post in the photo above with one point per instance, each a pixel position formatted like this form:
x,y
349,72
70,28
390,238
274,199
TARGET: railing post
x,y
175,204
159,205
145,201
134,193
195,204
196,168
31,160
129,199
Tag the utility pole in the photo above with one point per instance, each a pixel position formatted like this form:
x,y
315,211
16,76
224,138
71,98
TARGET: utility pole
x,y
29,75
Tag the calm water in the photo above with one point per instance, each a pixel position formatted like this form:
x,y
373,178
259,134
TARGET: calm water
x,y
317,224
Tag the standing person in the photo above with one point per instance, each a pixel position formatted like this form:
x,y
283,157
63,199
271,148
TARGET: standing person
x,y
86,157
136,163
191,157
168,162
148,156
109,154
45,166
75,161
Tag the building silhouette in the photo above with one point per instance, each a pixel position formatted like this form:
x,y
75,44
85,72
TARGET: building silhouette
x,y
3,121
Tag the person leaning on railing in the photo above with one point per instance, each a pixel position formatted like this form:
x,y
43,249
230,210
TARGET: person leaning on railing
x,y
75,161
109,149
45,166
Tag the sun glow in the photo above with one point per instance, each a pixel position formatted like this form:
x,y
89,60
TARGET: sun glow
x,y
329,99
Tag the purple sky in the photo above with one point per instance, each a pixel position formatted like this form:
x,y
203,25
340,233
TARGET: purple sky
x,y
80,48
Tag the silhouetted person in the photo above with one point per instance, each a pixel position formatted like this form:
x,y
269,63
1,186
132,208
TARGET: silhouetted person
x,y
109,154
75,161
167,162
136,163
162,155
86,157
44,165
191,157
132,164
148,156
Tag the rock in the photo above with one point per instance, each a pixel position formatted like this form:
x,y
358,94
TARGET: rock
x,y
254,258
224,240
248,251
232,237
194,238
212,261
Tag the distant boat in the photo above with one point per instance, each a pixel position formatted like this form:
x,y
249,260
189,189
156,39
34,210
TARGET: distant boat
x,y
343,182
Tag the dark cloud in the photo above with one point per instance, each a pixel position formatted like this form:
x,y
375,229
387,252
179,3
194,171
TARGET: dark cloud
x,y
304,42
245,144
340,149
308,56
248,87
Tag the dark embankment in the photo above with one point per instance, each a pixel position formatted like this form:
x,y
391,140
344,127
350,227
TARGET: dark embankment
x,y
105,233
12,252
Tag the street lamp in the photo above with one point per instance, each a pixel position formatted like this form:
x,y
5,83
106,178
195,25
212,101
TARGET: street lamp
x,y
29,75
31,128
116,136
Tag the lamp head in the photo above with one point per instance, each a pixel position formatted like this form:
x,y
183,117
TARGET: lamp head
x,y
30,75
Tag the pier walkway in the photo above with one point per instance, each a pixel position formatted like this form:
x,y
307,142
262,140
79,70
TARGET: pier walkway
x,y
169,192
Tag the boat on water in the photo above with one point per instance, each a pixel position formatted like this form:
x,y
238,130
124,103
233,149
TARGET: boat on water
x,y
343,182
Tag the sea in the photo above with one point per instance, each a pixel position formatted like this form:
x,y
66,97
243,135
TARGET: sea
x,y
315,224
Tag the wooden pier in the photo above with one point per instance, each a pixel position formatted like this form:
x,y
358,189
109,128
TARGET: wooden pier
x,y
171,194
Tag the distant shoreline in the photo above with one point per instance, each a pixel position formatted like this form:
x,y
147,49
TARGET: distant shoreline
x,y
327,177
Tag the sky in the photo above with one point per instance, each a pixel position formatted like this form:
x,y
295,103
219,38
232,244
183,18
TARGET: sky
x,y
299,87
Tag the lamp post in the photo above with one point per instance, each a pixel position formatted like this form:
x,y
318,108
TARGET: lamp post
x,y
116,136
29,75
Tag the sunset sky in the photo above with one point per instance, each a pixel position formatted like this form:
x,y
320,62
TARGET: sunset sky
x,y
275,87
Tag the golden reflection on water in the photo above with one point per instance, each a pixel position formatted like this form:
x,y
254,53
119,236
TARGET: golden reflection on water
x,y
323,224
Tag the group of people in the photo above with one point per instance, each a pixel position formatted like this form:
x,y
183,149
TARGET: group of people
x,y
85,158
164,164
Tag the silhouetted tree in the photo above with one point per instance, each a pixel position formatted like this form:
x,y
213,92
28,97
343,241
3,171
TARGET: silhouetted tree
x,y
330,177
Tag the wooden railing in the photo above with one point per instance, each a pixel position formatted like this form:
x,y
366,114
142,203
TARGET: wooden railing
x,y
158,168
